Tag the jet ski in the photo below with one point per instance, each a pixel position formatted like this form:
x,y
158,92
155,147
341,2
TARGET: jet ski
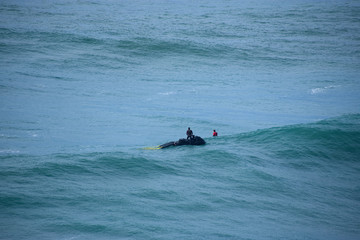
x,y
194,140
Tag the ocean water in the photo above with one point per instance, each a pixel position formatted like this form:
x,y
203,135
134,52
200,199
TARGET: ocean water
x,y
86,86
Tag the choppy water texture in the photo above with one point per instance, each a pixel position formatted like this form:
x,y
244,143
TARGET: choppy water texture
x,y
85,86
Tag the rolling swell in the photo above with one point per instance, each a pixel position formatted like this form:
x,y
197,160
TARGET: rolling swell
x,y
336,139
333,139
102,164
112,49
292,170
25,172
71,179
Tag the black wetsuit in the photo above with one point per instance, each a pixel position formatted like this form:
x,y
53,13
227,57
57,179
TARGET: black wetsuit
x,y
189,134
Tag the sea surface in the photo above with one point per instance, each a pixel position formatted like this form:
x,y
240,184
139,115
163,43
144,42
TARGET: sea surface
x,y
87,86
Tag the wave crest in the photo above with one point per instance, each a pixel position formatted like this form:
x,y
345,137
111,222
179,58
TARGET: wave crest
x,y
337,138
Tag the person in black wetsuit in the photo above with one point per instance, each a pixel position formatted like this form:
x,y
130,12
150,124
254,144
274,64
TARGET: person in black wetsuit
x,y
189,134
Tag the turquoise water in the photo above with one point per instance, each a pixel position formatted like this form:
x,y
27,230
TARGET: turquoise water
x,y
85,86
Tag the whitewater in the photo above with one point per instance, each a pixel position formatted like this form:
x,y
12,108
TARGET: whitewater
x,y
87,88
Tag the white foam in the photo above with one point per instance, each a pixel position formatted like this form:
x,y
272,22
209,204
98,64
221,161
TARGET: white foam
x,y
317,90
167,93
321,90
9,151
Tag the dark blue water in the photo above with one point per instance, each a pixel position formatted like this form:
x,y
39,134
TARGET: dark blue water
x,y
86,86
